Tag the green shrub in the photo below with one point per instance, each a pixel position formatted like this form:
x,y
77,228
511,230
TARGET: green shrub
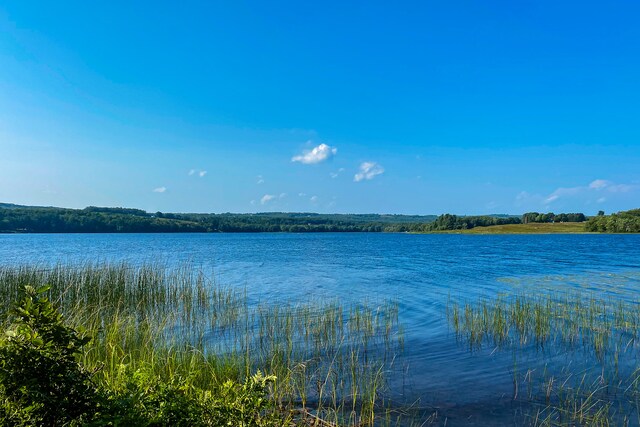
x,y
41,381
43,384
145,400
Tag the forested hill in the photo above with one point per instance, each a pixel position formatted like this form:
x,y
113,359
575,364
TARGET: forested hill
x,y
32,219
39,219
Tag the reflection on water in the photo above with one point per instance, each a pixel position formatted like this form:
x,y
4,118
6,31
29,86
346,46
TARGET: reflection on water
x,y
447,380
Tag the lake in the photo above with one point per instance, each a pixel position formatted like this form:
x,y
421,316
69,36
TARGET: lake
x,y
421,272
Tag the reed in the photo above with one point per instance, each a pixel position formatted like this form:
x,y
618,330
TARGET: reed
x,y
331,360
598,337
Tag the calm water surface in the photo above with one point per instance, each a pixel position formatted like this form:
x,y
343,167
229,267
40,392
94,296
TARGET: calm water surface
x,y
421,272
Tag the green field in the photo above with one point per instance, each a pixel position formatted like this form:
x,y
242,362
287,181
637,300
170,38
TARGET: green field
x,y
531,228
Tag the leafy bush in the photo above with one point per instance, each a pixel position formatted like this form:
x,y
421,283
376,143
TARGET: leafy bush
x,y
145,400
41,381
43,384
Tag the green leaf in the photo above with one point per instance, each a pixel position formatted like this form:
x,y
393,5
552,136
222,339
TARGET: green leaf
x,y
43,289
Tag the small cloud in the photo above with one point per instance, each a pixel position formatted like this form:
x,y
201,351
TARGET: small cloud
x,y
253,202
588,193
621,188
318,154
368,171
267,198
202,173
260,179
551,198
602,184
302,194
192,172
314,199
337,173
160,190
599,184
282,196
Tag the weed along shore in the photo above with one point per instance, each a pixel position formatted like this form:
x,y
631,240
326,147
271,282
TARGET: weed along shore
x,y
170,347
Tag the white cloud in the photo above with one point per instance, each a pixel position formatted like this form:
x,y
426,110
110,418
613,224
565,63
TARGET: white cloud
x,y
621,188
551,198
160,190
337,173
192,172
603,184
592,192
599,184
202,173
368,170
267,198
318,154
302,194
282,195
260,179
314,199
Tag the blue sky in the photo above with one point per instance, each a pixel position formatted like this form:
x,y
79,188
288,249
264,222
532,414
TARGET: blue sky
x,y
412,107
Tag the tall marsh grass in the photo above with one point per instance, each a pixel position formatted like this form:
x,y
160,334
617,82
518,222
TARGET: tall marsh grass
x,y
587,369
330,360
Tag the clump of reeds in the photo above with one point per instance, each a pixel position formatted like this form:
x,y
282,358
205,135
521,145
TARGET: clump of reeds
x,y
595,324
330,360
600,385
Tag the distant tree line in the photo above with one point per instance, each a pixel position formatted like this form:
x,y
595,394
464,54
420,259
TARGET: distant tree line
x,y
530,217
302,222
90,220
455,222
621,222
24,219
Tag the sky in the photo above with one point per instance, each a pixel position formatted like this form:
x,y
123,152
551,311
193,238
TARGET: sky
x,y
426,107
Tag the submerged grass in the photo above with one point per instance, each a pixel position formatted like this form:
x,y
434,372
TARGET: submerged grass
x,y
330,360
597,340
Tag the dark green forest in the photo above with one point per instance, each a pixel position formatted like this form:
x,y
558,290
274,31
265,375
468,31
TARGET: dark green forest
x,y
537,217
621,222
39,219
455,222
26,219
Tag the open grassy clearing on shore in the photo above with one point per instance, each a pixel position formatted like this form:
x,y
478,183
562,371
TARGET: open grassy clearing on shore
x,y
531,228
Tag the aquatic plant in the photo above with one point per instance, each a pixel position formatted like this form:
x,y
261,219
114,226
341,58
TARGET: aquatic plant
x,y
330,361
599,337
